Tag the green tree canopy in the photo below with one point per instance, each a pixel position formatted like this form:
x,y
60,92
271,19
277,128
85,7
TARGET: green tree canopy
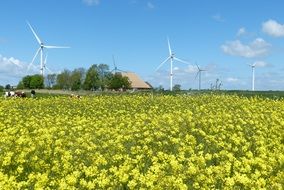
x,y
117,81
177,87
20,85
76,78
37,82
51,79
63,80
26,81
32,81
92,81
103,71
8,87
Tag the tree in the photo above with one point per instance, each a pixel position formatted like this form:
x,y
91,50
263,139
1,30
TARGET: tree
x,y
1,88
160,88
103,70
92,81
20,85
37,82
51,79
63,80
76,78
8,87
31,81
117,81
26,81
177,87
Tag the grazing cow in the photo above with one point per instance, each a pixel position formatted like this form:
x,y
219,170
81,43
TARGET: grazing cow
x,y
20,94
15,94
9,94
33,93
75,96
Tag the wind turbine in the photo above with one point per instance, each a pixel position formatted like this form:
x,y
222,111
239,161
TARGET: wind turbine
x,y
40,50
115,67
15,62
253,77
171,58
199,75
44,65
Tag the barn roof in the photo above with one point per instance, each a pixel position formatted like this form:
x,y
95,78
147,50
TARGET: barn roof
x,y
136,81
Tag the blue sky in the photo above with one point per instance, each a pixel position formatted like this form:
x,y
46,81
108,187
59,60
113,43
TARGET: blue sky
x,y
219,35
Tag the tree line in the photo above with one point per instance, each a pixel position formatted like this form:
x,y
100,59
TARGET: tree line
x,y
97,77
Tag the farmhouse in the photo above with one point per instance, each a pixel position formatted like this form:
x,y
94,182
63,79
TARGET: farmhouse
x,y
136,82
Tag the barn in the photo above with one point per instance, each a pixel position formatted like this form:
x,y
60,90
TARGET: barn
x,y
136,82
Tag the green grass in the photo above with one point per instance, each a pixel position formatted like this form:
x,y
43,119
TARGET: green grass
x,y
262,94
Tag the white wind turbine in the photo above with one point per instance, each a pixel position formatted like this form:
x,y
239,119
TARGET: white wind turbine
x,y
199,75
253,77
115,67
40,50
171,58
44,65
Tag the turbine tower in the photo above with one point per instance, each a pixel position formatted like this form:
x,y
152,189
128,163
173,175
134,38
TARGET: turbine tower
x,y
41,51
253,77
199,75
171,58
44,65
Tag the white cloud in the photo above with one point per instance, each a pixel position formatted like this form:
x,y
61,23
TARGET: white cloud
x,y
218,18
241,31
191,69
260,64
273,28
91,2
12,69
150,5
11,66
232,80
175,68
257,48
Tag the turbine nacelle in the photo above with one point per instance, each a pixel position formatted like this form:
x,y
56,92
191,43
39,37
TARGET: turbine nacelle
x,y
40,51
198,74
115,70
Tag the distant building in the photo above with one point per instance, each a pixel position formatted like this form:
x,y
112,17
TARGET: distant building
x,y
136,81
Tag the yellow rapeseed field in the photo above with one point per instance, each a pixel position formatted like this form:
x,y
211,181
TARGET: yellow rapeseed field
x,y
142,142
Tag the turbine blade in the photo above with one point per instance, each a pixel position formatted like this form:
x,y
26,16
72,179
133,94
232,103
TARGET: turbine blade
x,y
50,71
33,59
121,70
45,58
169,45
162,63
36,36
182,61
197,67
198,73
251,65
17,64
55,47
